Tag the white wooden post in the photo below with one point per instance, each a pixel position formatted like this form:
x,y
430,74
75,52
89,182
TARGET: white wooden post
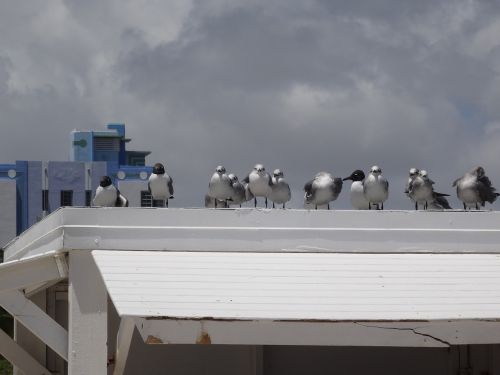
x,y
87,326
123,341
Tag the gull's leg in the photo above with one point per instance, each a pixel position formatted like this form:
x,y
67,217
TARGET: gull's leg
x,y
255,202
266,202
273,205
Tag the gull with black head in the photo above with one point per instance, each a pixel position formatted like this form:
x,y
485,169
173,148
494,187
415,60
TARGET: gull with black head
x,y
107,195
357,196
160,186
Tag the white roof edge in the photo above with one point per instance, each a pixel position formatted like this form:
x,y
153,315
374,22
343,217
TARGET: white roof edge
x,y
262,230
33,271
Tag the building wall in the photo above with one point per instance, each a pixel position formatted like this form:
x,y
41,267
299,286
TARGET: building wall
x,y
34,201
81,146
66,176
7,210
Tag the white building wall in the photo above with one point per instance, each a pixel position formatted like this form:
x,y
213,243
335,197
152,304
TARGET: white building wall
x,y
132,191
7,210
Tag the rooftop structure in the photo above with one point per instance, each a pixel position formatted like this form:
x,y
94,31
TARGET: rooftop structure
x,y
30,190
105,145
249,278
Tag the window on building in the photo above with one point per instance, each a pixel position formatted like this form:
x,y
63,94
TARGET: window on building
x,y
107,144
146,199
88,198
45,200
66,198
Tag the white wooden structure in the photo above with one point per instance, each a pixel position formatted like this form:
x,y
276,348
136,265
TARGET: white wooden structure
x,y
250,277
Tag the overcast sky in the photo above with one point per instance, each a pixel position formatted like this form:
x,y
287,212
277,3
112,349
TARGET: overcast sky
x,y
304,86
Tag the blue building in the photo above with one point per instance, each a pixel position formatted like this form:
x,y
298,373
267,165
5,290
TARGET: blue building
x,y
29,190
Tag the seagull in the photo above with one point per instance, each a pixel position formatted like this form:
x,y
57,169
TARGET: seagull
x,y
435,199
106,195
421,191
238,194
259,183
376,188
323,189
412,174
280,191
160,185
358,199
220,187
474,188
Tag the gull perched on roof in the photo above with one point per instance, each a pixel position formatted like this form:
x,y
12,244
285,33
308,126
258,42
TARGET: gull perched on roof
x,y
474,188
412,173
238,194
259,183
357,196
160,185
322,189
107,195
280,191
376,188
421,191
219,187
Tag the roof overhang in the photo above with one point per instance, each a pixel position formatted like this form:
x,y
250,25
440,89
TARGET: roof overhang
x,y
306,299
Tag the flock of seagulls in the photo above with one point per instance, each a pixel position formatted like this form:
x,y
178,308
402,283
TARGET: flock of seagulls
x,y
367,192
225,190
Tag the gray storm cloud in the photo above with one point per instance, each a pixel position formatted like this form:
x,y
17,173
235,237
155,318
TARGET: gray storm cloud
x,y
302,86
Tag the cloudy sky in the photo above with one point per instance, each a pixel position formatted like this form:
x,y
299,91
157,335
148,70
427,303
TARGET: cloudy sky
x,y
303,86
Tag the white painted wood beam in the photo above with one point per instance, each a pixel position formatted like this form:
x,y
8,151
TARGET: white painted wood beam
x,y
88,317
23,273
398,334
20,357
37,321
124,339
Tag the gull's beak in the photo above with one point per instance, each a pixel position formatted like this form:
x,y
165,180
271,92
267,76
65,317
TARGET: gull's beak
x,y
347,178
